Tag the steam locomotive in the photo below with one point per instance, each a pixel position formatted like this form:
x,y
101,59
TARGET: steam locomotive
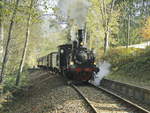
x,y
74,61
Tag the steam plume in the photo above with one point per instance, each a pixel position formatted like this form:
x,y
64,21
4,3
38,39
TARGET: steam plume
x,y
75,10
104,71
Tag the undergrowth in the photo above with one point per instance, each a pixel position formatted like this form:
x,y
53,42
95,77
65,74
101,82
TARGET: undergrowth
x,y
130,64
9,87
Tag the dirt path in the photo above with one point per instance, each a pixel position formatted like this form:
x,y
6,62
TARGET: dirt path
x,y
51,96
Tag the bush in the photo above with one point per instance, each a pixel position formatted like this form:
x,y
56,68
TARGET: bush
x,y
130,66
131,61
9,83
9,86
120,56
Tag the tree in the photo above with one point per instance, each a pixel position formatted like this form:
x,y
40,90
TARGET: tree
x,y
1,30
102,24
25,45
133,13
106,19
8,40
145,31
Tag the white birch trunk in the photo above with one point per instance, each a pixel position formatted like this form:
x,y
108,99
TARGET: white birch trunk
x,y
25,46
8,41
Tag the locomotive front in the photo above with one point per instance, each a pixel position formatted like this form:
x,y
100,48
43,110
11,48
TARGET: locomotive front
x,y
81,65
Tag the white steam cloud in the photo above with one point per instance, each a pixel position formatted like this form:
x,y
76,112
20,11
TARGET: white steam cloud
x,y
75,10
104,71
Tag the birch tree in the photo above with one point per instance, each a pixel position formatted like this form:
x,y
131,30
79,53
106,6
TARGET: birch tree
x,y
25,45
106,19
1,30
8,41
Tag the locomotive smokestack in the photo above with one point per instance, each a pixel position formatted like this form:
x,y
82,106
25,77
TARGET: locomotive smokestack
x,y
80,36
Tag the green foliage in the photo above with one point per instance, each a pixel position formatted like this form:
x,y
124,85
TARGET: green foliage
x,y
135,69
17,41
46,45
40,43
4,99
99,18
138,11
9,83
9,86
121,56
139,65
130,61
145,31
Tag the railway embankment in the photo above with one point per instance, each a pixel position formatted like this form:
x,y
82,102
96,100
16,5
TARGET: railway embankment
x,y
130,66
138,95
129,75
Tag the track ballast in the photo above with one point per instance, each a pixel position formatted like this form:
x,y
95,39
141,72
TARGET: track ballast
x,y
101,100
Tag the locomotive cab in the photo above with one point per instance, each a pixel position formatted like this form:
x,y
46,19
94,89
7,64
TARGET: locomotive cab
x,y
63,55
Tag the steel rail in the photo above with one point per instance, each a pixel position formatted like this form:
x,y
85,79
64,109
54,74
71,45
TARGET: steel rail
x,y
121,98
86,99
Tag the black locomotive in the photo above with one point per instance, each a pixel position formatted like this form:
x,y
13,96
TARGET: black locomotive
x,y
72,60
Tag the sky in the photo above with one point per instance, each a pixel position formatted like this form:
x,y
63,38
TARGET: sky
x,y
67,10
46,7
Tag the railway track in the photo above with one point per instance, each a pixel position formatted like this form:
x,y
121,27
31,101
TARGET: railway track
x,y
101,100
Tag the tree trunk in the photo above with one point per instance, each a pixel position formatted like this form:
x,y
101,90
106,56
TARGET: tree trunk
x,y
1,40
128,32
1,35
8,41
106,42
91,42
106,27
25,46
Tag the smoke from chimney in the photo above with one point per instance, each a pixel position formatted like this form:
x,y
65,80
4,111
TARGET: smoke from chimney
x,y
75,10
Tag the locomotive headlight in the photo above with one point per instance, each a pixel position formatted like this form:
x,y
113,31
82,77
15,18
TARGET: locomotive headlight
x,y
94,63
81,43
71,63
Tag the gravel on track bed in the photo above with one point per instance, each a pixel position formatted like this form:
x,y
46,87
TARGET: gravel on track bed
x,y
105,103
51,96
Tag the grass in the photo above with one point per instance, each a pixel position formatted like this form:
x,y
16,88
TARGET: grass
x,y
142,80
133,69
9,87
